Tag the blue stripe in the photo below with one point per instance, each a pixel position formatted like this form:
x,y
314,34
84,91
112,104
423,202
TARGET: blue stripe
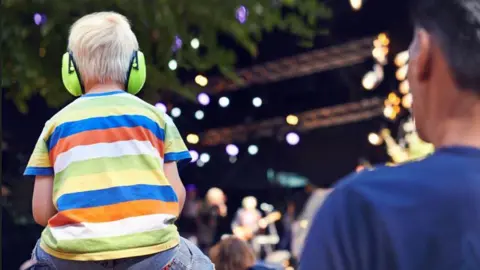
x,y
70,128
43,171
176,156
182,158
103,93
115,195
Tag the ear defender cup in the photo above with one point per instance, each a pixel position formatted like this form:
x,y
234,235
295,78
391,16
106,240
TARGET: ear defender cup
x,y
70,77
135,79
137,73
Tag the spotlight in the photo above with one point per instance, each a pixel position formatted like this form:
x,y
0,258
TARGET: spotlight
x,y
292,120
195,43
292,138
257,102
176,112
172,65
193,138
253,149
194,155
161,107
203,99
232,150
199,115
374,139
204,157
224,102
201,80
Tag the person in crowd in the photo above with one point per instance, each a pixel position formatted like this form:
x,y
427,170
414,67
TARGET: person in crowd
x,y
211,211
187,222
107,187
232,253
422,214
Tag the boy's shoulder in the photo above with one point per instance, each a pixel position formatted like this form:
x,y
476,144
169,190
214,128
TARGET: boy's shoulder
x,y
86,106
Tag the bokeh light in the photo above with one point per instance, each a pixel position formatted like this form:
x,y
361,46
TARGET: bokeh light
x,y
292,138
203,99
161,107
232,150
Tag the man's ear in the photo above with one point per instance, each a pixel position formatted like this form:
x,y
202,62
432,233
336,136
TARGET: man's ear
x,y
423,51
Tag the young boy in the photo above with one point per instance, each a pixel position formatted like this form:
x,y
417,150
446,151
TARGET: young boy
x,y
107,187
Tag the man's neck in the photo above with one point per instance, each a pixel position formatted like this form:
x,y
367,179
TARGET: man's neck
x,y
460,131
101,88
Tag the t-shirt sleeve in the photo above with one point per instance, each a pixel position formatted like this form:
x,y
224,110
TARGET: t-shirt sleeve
x,y
345,235
175,148
39,163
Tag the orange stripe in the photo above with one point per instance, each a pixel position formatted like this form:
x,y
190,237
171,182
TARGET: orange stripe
x,y
106,136
114,212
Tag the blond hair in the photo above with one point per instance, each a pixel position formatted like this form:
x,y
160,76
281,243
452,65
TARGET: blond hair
x,y
102,45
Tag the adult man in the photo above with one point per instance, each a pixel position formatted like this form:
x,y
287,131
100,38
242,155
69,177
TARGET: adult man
x,y
107,187
212,210
421,215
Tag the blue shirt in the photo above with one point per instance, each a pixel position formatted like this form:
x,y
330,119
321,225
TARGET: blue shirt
x,y
424,215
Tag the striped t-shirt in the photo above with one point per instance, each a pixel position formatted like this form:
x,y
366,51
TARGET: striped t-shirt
x,y
106,152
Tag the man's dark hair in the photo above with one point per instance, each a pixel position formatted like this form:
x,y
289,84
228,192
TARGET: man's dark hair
x,y
455,25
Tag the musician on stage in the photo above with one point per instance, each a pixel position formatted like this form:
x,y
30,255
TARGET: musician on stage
x,y
248,222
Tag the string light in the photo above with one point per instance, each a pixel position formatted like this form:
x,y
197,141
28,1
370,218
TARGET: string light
x,y
401,73
224,102
172,64
199,115
257,102
374,139
356,4
193,138
204,158
407,101
241,14
292,120
195,43
401,58
404,87
161,107
194,155
177,44
252,149
201,80
176,112
292,138
370,80
203,99
232,150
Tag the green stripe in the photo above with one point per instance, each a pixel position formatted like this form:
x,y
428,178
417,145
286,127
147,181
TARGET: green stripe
x,y
136,240
101,165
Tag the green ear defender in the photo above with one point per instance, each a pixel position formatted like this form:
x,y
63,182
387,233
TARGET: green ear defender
x,y
135,77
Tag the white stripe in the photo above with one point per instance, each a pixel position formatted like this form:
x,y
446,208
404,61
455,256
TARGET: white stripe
x,y
114,228
104,150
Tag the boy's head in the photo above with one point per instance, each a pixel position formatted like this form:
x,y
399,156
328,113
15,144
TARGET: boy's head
x,y
443,65
102,45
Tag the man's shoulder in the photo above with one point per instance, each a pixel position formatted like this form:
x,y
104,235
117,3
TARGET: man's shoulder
x,y
388,180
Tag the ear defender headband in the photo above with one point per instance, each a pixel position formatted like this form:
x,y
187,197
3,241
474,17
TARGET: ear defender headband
x,y
135,77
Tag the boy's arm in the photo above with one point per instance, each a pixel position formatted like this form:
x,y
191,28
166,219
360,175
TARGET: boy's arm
x,y
42,204
171,172
41,167
176,153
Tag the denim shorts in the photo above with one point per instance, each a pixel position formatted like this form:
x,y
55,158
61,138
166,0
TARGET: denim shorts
x,y
185,256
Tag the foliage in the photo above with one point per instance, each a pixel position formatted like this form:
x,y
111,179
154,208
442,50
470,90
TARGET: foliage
x,y
31,53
